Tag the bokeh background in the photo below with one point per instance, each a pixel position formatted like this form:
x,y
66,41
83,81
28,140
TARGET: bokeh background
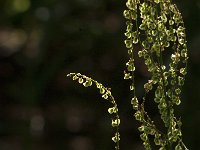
x,y
43,40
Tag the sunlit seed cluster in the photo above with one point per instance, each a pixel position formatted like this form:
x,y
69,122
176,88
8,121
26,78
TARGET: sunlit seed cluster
x,y
106,94
156,26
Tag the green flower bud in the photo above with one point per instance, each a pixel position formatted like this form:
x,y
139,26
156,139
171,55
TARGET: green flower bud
x,y
140,53
144,137
178,147
70,74
80,80
171,22
131,68
164,18
132,87
105,96
128,34
181,41
127,14
162,148
183,71
115,122
141,128
128,43
157,1
127,76
148,86
146,44
180,81
130,51
177,101
101,90
157,100
142,27
134,102
138,115
75,77
116,138
112,110
129,26
178,91
135,40
184,53
173,38
87,83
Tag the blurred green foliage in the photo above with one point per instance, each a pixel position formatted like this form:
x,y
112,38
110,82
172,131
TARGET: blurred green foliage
x,y
42,41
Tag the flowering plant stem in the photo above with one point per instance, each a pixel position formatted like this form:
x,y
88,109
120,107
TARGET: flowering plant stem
x,y
156,28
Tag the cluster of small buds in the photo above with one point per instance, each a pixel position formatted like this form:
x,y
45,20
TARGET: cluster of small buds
x,y
106,94
161,28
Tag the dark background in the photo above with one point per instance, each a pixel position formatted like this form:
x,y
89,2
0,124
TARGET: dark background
x,y
43,40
